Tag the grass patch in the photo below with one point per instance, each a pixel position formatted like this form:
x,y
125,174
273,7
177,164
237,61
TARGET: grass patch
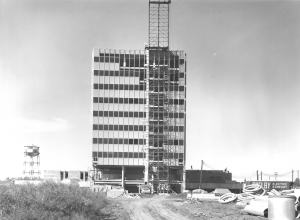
x,y
50,201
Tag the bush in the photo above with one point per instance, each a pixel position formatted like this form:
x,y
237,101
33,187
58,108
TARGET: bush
x,y
50,201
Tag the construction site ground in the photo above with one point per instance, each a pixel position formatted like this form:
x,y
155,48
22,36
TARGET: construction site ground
x,y
163,207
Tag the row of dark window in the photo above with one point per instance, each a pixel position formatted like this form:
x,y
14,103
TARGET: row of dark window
x,y
162,55
138,87
119,154
120,86
166,88
158,82
119,114
136,62
176,101
125,55
159,142
157,115
160,156
119,100
153,55
117,59
161,128
138,73
172,76
123,60
161,102
152,156
119,141
154,115
158,128
119,127
132,73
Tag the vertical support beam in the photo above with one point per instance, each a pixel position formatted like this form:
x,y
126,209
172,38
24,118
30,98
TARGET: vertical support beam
x,y
123,176
146,173
146,160
183,185
200,183
184,147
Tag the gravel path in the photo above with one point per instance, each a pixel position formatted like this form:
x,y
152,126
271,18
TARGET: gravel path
x,y
173,208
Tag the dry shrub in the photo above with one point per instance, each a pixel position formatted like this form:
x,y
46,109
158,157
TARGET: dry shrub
x,y
50,201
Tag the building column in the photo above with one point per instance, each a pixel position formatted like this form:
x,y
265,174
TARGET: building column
x,y
146,174
123,176
183,185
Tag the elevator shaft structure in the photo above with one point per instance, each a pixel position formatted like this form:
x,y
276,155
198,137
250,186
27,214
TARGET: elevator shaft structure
x,y
159,81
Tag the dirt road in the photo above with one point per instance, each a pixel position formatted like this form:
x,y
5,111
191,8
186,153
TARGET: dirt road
x,y
151,208
170,207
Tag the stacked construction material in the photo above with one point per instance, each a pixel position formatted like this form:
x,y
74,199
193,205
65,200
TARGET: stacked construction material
x,y
256,201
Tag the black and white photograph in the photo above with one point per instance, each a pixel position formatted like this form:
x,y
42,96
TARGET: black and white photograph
x,y
149,109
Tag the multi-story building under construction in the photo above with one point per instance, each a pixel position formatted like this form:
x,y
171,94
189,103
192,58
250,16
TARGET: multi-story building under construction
x,y
139,111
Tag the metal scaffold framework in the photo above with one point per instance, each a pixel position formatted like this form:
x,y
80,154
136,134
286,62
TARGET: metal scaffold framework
x,y
31,162
158,119
158,91
159,24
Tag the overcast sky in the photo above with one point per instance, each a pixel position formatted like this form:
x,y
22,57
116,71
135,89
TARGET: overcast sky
x,y
243,87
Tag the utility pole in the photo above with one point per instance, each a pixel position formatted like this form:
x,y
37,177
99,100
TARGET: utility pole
x,y
292,176
201,174
257,176
261,175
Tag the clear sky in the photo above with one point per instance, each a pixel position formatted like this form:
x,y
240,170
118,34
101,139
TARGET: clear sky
x,y
243,87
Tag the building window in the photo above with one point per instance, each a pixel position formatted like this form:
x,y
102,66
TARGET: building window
x,y
120,127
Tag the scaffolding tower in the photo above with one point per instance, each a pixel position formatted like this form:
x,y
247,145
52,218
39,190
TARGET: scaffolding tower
x,y
32,162
158,61
158,32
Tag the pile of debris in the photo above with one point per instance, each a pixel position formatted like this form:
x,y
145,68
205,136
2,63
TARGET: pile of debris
x,y
255,200
131,196
119,192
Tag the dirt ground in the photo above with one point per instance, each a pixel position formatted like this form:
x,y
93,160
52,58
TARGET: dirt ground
x,y
174,207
